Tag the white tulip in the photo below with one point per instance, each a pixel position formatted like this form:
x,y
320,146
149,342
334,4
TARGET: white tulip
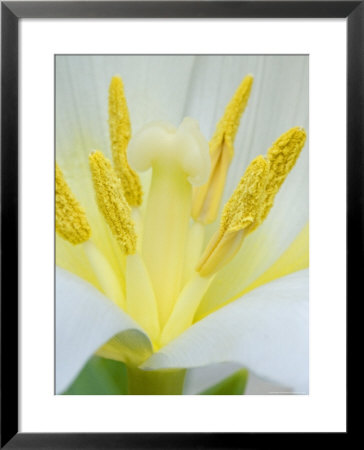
x,y
153,270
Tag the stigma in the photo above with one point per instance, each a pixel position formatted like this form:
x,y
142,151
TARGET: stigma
x,y
162,143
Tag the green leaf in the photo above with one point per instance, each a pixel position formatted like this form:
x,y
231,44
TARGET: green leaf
x,y
233,385
100,376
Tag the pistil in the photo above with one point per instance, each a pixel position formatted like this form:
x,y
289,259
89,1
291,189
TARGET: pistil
x,y
178,157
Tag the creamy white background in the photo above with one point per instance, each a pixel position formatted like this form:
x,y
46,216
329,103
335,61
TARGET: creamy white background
x,y
324,408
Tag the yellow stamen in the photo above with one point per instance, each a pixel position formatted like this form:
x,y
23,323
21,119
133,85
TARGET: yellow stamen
x,y
282,157
240,215
185,308
111,201
107,277
120,133
207,198
141,303
252,200
71,221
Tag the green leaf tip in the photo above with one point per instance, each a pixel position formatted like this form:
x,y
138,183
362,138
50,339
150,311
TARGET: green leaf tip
x,y
100,376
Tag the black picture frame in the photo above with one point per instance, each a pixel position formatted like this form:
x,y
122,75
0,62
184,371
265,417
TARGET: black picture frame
x,y
11,13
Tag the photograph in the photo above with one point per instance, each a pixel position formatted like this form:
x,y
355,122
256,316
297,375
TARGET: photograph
x,y
181,207
181,224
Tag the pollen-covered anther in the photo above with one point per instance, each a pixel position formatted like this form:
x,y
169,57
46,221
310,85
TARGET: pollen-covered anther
x,y
71,221
111,201
244,209
120,134
229,123
282,157
207,198
241,214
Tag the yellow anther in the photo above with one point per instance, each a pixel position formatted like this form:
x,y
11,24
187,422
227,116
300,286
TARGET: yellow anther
x,y
71,221
111,201
229,123
282,157
244,208
120,133
241,214
207,198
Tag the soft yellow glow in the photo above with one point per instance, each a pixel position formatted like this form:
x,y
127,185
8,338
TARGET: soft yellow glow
x,y
241,213
71,221
185,308
141,303
194,247
73,258
295,258
207,198
107,278
120,134
111,202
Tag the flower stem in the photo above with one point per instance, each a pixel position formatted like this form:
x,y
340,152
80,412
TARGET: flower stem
x,y
155,382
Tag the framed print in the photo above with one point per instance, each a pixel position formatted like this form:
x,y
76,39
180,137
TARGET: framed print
x,y
175,190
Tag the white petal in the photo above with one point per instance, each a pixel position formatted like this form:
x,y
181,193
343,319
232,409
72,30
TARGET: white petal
x,y
201,378
265,331
85,320
279,100
155,88
260,386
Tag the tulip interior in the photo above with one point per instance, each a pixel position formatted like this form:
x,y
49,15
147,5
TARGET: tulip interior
x,y
167,258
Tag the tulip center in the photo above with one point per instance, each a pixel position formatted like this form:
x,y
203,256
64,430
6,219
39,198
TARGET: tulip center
x,y
167,264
